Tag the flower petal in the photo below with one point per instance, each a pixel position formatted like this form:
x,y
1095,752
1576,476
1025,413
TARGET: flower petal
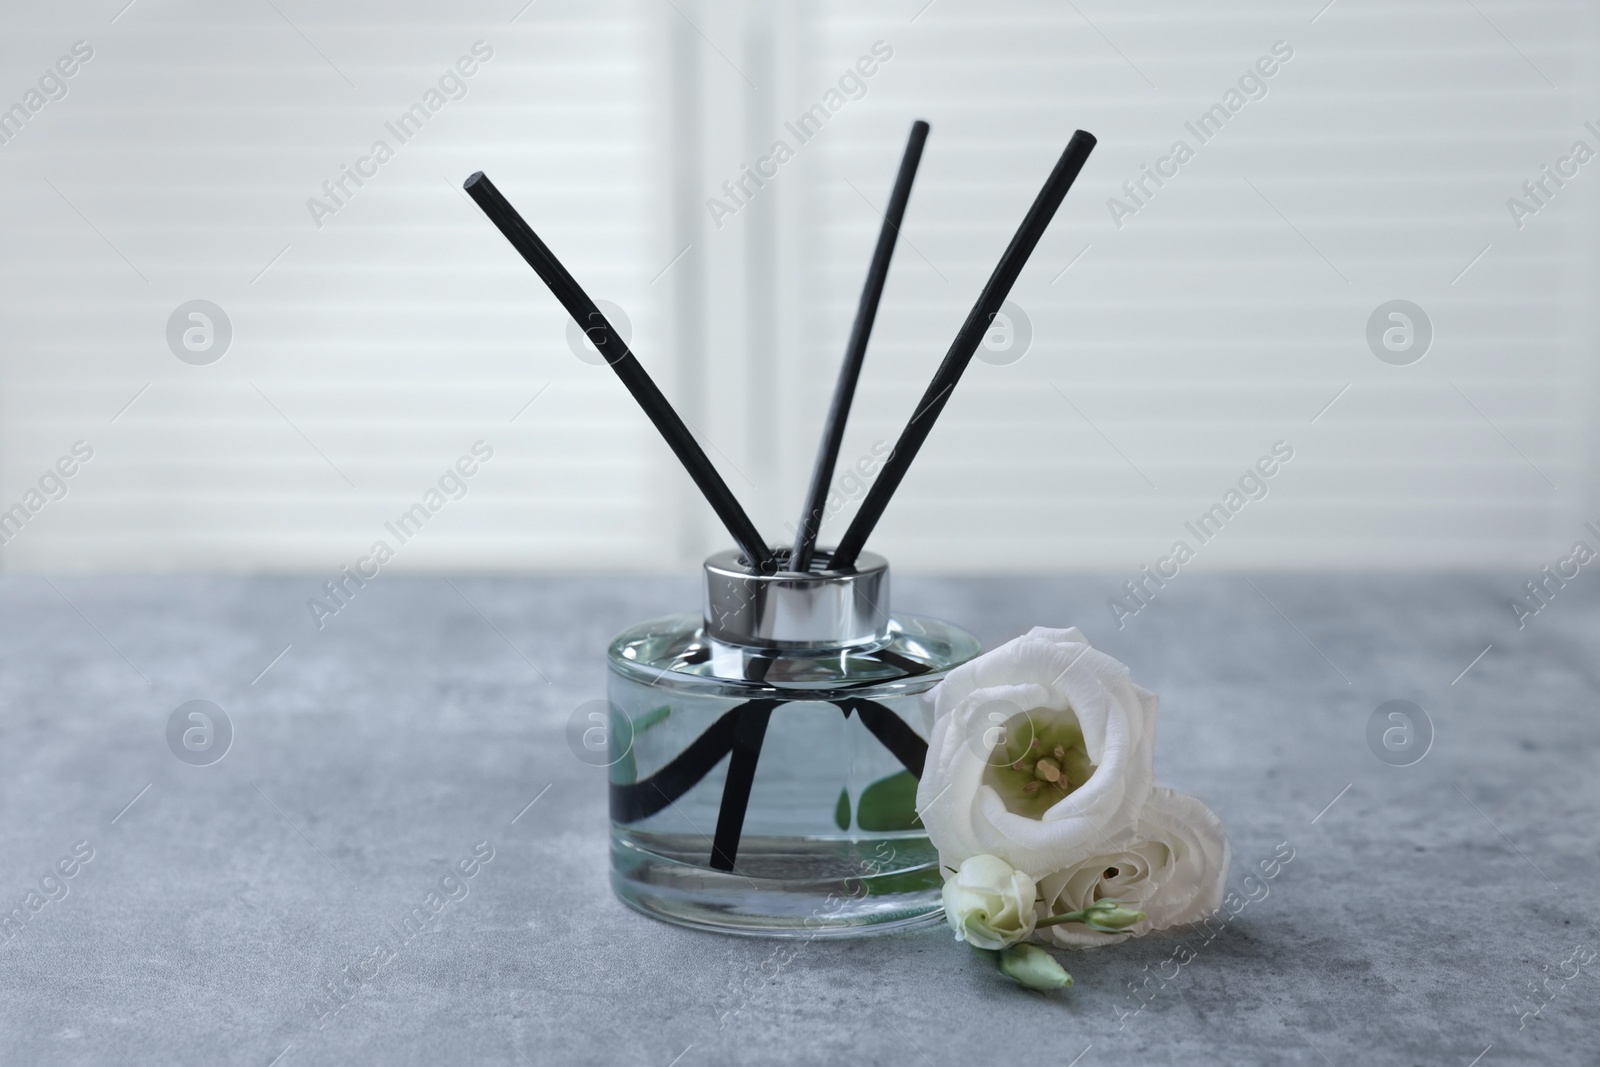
x,y
1174,872
1053,676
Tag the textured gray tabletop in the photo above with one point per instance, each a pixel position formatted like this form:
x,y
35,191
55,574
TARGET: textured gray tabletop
x,y
1431,913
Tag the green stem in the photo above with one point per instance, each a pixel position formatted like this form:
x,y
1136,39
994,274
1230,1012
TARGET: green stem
x,y
1068,917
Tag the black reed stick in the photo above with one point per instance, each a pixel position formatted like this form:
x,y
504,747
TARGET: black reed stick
x,y
748,733
805,541
966,343
891,731
615,352
636,801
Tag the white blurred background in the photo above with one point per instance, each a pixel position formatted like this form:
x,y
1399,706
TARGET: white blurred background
x,y
373,346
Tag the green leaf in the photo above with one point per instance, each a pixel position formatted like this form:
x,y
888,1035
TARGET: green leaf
x,y
625,771
650,718
841,810
889,804
897,883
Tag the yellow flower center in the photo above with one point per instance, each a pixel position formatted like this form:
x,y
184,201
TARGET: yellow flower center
x,y
1038,763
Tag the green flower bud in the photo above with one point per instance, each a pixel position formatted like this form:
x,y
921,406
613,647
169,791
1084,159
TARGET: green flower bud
x,y
1110,917
1032,967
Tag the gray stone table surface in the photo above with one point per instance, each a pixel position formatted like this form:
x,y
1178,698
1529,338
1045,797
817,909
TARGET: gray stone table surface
x,y
1428,911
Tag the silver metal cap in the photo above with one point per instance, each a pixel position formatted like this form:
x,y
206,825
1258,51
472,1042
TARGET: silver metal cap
x,y
821,609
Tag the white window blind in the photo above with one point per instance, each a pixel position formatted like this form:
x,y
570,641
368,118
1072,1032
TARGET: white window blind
x,y
371,347
1170,352
381,328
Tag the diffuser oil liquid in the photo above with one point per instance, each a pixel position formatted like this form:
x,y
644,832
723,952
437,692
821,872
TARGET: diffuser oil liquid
x,y
829,843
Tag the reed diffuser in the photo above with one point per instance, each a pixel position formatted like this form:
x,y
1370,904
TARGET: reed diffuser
x,y
768,748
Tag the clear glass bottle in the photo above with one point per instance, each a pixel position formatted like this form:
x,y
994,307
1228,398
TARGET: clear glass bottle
x,y
765,755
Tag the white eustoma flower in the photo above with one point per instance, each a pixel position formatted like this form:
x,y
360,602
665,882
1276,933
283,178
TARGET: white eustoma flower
x,y
1174,872
989,903
1040,752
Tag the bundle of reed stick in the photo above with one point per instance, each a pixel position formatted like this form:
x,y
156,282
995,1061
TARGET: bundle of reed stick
x,y
804,556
